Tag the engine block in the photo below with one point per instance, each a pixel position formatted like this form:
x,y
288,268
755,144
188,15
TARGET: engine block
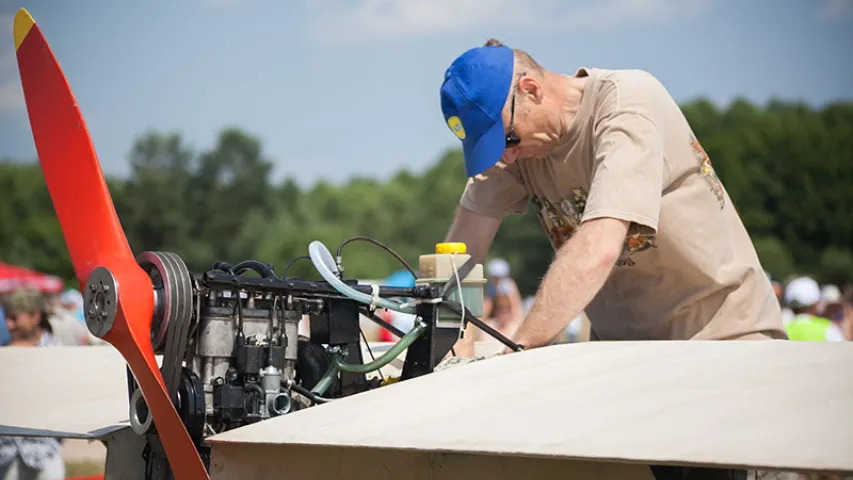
x,y
232,354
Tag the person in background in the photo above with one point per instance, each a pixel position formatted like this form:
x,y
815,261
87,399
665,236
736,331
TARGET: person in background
x,y
832,307
847,309
5,337
803,297
502,306
72,301
65,314
27,319
779,291
29,457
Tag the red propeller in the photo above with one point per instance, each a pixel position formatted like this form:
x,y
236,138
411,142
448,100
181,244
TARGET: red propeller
x,y
119,293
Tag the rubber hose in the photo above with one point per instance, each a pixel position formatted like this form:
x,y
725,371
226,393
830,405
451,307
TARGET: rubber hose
x,y
386,358
325,264
326,381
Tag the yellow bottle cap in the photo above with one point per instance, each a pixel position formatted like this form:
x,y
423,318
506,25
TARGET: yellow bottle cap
x,y
451,247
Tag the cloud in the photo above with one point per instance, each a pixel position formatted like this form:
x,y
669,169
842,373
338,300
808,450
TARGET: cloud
x,y
834,10
389,19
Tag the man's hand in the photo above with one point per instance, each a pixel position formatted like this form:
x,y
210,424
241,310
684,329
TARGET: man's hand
x,y
575,276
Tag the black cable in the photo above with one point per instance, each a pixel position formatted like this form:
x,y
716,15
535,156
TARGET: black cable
x,y
241,338
457,309
302,391
284,274
276,306
370,352
382,323
381,245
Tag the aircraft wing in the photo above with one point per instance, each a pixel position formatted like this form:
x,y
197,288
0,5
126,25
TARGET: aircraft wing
x,y
80,391
772,404
66,392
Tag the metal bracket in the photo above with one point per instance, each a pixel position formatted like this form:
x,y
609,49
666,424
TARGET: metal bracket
x,y
101,301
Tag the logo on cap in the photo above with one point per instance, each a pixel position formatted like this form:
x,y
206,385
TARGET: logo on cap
x,y
456,127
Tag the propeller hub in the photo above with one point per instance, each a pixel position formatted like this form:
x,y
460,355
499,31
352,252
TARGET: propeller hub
x,y
101,301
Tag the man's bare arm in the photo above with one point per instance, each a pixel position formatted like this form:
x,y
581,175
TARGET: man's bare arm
x,y
574,278
476,231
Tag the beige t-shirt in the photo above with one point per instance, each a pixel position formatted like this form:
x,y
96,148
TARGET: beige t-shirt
x,y
688,269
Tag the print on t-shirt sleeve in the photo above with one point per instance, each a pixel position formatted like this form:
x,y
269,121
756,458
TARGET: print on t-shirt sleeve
x,y
708,172
496,192
627,171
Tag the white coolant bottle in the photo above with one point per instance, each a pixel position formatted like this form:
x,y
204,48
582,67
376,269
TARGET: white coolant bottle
x,y
439,267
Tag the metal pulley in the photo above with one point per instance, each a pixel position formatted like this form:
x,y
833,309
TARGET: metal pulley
x,y
173,293
173,309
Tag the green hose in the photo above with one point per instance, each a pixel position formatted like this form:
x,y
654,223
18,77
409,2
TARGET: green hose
x,y
326,381
385,359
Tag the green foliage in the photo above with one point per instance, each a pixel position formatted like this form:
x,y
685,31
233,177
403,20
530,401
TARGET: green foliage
x,y
775,257
787,166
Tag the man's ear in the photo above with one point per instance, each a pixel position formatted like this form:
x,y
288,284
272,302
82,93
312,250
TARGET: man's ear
x,y
529,86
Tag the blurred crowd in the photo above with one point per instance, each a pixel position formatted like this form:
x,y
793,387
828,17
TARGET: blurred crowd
x,y
29,316
814,312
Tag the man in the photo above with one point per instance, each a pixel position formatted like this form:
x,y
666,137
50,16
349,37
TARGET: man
x,y
803,295
647,240
646,237
29,457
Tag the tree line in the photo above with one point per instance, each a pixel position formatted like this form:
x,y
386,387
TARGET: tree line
x,y
787,166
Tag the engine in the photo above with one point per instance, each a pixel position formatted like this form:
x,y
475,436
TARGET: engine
x,y
246,349
230,348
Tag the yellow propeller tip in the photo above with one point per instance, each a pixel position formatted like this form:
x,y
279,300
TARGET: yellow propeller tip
x,y
23,24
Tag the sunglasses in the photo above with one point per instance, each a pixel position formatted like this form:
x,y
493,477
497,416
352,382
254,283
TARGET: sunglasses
x,y
511,139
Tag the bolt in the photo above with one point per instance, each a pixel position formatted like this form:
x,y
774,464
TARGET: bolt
x,y
92,287
105,288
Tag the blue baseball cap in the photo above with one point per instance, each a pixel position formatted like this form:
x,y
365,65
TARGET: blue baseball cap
x,y
475,89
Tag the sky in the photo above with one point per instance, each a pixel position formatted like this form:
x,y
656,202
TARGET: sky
x,y
336,88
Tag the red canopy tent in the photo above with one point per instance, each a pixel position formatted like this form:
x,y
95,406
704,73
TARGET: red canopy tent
x,y
12,277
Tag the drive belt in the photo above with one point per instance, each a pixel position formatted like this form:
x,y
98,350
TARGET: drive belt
x,y
177,310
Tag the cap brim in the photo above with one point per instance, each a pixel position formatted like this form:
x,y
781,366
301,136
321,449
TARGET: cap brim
x,y
484,153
